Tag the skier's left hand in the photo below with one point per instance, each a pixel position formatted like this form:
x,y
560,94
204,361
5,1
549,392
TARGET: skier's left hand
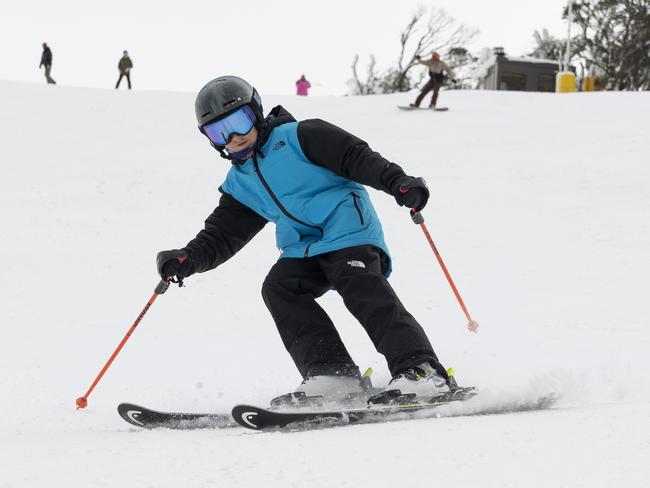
x,y
411,192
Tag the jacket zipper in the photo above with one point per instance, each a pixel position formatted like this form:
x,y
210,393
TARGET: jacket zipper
x,y
281,207
356,205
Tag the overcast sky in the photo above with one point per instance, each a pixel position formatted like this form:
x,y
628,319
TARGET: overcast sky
x,y
181,44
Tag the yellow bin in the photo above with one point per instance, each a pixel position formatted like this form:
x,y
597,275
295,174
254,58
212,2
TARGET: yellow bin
x,y
589,84
565,82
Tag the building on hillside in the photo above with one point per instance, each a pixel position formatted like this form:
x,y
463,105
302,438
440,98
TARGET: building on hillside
x,y
502,72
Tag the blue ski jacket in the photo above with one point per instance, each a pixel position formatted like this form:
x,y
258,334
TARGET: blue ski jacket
x,y
306,177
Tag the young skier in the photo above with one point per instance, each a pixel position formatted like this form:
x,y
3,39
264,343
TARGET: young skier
x,y
308,179
437,69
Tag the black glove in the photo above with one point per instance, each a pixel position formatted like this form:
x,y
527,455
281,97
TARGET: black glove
x,y
410,192
417,56
174,262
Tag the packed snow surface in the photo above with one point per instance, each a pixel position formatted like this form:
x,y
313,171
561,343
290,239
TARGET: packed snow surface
x,y
540,206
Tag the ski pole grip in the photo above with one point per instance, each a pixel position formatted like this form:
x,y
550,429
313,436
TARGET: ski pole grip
x,y
162,287
417,217
167,280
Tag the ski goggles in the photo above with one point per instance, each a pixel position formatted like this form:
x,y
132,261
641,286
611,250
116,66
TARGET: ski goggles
x,y
240,122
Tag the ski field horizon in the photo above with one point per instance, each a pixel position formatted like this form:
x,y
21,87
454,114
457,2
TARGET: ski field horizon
x,y
539,206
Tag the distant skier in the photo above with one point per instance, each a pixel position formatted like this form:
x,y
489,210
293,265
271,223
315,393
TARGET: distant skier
x,y
302,86
46,60
125,64
437,70
308,179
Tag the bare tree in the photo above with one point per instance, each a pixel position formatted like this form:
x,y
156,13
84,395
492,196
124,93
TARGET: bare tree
x,y
427,30
356,86
370,85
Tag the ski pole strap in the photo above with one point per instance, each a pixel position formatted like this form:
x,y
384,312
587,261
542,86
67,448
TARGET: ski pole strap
x,y
177,280
417,217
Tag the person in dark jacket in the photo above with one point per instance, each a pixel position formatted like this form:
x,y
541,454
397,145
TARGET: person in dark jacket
x,y
309,179
124,65
46,60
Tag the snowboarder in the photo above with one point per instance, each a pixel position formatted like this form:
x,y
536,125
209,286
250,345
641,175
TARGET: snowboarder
x,y
308,179
302,86
437,69
46,60
124,66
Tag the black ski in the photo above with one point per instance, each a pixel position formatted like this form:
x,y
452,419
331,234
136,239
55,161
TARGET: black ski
x,y
152,419
394,406
256,418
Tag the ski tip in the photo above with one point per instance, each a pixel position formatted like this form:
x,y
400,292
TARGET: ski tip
x,y
131,413
246,416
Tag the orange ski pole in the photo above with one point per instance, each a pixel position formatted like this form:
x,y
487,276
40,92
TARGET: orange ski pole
x,y
82,402
417,217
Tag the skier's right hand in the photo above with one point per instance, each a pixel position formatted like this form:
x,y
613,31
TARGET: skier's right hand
x,y
174,262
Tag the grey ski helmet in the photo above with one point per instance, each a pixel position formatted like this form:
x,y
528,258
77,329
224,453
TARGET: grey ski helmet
x,y
224,95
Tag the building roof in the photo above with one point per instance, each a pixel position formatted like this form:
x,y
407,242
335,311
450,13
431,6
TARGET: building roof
x,y
526,59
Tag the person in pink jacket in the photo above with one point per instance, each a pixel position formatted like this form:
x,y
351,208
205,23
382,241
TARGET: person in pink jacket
x,y
302,86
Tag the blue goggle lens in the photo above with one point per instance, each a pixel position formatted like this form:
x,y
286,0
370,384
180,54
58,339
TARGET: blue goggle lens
x,y
222,130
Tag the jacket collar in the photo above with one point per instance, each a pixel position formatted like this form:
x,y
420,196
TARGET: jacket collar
x,y
276,117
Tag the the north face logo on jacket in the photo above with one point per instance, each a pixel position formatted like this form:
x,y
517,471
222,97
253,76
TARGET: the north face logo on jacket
x,y
279,145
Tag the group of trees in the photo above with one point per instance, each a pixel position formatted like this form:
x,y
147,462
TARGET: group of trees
x,y
612,43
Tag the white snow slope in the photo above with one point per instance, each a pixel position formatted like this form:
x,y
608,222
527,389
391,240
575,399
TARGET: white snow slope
x,y
540,207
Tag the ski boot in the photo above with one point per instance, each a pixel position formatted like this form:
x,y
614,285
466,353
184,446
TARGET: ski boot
x,y
319,390
421,385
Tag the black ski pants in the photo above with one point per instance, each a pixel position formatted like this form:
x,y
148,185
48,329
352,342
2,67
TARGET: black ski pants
x,y
356,273
128,79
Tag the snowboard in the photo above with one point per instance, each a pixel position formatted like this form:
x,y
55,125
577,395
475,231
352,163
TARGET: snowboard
x,y
437,109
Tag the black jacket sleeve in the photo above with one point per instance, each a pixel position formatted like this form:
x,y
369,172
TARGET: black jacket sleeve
x,y
229,228
346,155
